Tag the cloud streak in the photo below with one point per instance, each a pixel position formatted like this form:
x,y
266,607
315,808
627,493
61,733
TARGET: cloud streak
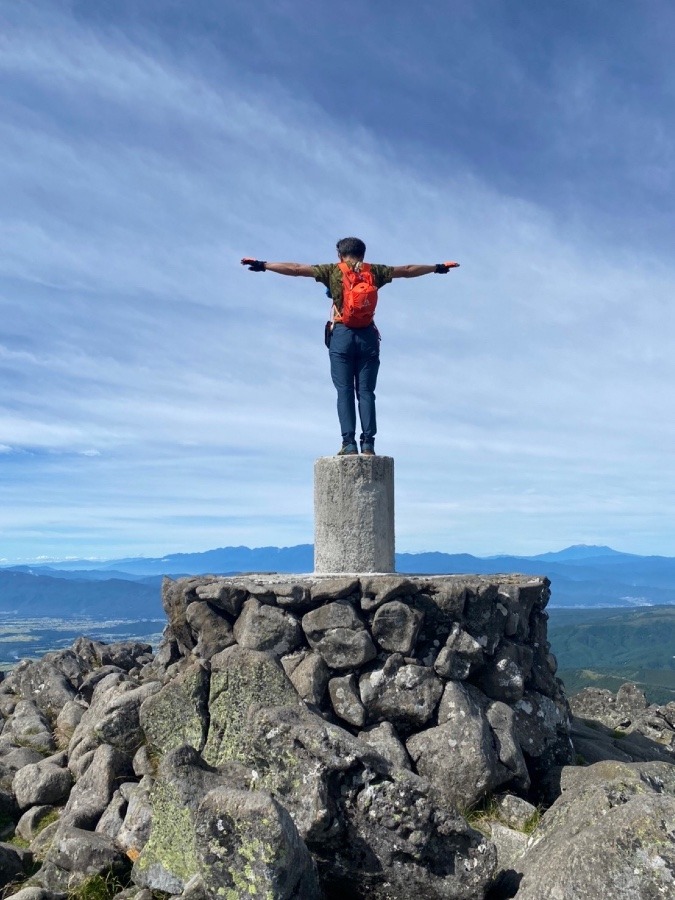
x,y
159,397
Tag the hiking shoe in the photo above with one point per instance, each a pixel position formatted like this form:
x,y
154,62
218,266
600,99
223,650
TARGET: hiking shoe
x,y
349,449
367,448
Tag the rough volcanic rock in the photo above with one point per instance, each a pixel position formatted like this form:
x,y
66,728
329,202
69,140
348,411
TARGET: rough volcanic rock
x,y
11,864
402,693
28,728
344,695
76,855
169,858
41,784
376,590
372,828
44,684
178,714
309,675
246,779
610,834
339,635
384,739
210,628
627,714
264,627
396,626
241,679
461,655
247,844
93,791
458,756
222,593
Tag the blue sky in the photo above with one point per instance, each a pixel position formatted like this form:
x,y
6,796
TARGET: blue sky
x,y
157,397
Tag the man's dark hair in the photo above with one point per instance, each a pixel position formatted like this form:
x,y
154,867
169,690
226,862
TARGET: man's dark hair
x,y
351,247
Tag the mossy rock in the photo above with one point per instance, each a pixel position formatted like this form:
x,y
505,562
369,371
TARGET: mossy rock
x,y
242,679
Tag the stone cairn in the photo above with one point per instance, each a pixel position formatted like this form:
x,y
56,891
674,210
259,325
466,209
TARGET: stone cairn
x,y
328,736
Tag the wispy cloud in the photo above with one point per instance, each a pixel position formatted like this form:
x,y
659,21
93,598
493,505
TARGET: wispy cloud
x,y
163,398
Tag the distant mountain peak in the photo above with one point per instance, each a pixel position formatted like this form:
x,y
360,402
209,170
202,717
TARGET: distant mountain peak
x,y
579,551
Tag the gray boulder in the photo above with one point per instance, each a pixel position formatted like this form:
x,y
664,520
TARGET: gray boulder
x,y
542,727
113,717
94,790
594,742
503,676
91,681
169,858
461,655
178,714
34,892
127,655
610,834
628,715
379,589
42,784
112,819
377,831
344,695
11,864
510,844
222,594
308,674
325,590
67,721
384,739
293,596
76,856
502,721
248,845
263,627
403,693
339,635
485,616
175,601
137,824
33,821
396,626
15,758
28,728
44,684
458,756
515,812
210,628
44,837
241,680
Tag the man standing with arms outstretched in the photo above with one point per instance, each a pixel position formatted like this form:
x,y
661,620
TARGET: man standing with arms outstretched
x,y
352,338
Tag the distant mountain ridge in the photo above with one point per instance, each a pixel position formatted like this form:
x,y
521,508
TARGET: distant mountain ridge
x,y
581,576
26,594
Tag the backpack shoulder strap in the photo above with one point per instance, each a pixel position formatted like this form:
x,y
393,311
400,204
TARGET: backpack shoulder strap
x,y
364,269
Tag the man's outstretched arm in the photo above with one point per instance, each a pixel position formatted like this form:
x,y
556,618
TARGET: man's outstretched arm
x,y
415,271
281,268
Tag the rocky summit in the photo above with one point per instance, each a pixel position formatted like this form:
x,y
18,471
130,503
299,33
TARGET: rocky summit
x,y
330,738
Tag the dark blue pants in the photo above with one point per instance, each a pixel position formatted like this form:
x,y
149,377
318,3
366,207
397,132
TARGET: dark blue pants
x,y
354,362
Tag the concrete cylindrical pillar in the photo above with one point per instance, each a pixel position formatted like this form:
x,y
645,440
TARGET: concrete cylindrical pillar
x,y
354,514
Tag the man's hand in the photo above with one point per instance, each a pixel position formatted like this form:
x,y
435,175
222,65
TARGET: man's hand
x,y
443,268
254,265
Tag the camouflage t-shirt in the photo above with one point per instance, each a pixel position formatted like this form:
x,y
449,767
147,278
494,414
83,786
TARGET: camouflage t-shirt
x,y
330,275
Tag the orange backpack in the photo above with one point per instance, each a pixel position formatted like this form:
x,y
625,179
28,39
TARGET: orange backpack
x,y
359,297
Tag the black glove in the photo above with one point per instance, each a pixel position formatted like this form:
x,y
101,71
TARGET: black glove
x,y
254,265
444,268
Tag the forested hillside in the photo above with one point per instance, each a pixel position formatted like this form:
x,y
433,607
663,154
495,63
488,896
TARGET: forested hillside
x,y
606,647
